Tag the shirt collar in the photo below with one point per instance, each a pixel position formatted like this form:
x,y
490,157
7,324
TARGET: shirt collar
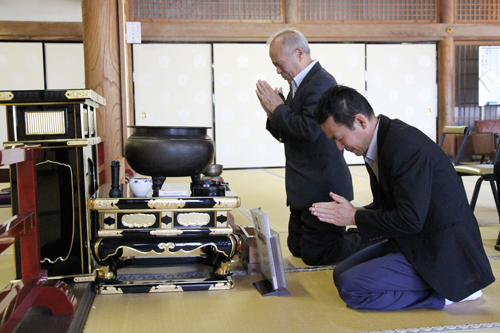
x,y
371,154
297,80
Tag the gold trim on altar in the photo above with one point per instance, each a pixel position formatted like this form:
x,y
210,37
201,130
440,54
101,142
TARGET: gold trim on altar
x,y
110,290
86,93
138,220
193,219
166,203
109,233
165,288
6,96
103,204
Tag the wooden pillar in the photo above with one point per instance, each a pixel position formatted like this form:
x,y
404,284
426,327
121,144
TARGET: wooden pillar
x,y
446,88
446,73
102,73
291,12
447,11
128,113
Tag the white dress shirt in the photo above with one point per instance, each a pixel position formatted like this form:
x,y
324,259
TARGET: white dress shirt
x,y
372,154
297,80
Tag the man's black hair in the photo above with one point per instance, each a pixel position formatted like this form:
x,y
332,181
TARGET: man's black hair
x,y
342,103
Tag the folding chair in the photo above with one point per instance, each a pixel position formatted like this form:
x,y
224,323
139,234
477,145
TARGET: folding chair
x,y
457,130
496,171
484,171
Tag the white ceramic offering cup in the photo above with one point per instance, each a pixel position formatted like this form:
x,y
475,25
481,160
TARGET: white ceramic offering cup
x,y
140,186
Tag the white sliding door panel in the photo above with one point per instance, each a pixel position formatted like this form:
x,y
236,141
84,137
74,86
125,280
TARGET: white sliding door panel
x,y
241,138
173,84
65,66
402,83
346,62
21,66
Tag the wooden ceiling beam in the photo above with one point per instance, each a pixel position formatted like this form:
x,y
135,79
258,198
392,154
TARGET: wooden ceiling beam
x,y
259,32
474,32
367,32
41,31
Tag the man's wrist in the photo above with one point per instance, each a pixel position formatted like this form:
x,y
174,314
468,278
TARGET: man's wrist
x,y
353,221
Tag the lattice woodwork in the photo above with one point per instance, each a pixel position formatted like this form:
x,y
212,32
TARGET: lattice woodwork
x,y
467,108
477,10
262,11
368,11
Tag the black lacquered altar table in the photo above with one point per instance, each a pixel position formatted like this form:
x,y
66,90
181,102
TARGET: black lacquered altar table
x,y
174,223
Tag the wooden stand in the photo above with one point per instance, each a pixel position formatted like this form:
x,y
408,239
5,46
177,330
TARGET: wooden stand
x,y
266,288
249,254
34,289
170,226
270,258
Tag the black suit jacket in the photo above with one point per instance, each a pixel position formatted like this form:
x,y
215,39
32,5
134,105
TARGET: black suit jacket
x,y
420,203
314,164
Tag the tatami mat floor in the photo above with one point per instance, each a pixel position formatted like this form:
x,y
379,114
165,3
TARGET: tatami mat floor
x,y
314,304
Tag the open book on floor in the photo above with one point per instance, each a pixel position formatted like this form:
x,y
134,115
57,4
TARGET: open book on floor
x,y
271,260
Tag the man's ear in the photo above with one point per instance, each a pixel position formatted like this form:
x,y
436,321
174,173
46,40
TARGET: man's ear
x,y
361,120
300,52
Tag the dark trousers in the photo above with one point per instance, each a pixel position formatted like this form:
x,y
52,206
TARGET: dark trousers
x,y
380,278
319,243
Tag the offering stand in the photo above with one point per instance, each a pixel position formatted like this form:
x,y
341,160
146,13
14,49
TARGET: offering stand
x,y
176,223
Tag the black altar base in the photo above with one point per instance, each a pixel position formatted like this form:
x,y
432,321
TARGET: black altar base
x,y
150,283
151,234
164,274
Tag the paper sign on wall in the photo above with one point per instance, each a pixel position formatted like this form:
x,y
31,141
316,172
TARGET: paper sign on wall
x,y
489,75
133,32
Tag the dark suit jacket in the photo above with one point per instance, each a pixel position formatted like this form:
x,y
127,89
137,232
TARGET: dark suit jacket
x,y
420,203
314,164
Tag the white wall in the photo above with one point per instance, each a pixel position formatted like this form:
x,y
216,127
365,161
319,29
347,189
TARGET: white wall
x,y
41,10
21,66
64,66
240,122
346,62
173,84
402,83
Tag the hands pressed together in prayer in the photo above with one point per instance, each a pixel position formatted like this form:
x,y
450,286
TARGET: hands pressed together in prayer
x,y
339,211
268,97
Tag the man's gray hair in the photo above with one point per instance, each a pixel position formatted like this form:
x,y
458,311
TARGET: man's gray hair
x,y
292,39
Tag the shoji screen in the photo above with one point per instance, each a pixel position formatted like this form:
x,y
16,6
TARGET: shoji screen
x,y
346,62
173,84
240,135
21,68
402,83
65,66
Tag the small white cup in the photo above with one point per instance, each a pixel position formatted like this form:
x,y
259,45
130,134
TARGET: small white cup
x,y
140,186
